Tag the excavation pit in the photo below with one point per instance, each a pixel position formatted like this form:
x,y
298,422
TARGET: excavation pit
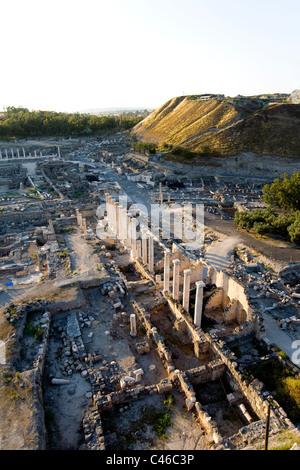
x,y
178,342
212,320
156,422
130,272
248,350
222,404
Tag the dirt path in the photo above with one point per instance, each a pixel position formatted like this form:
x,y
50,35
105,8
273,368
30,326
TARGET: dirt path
x,y
276,250
217,254
83,259
184,434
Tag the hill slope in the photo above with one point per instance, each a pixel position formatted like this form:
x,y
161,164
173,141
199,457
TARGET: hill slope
x,y
215,125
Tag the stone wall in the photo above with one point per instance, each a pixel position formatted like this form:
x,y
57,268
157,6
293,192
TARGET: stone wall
x,y
215,301
253,391
232,290
92,430
23,216
106,402
232,312
35,374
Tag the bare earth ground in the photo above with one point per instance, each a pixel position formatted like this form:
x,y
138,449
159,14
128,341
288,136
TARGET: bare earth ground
x,y
276,250
133,427
217,254
83,259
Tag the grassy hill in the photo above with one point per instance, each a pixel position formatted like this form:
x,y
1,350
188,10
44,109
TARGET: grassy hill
x,y
222,126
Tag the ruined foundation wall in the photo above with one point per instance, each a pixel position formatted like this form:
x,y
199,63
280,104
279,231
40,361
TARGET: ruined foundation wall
x,y
253,391
34,375
215,301
24,216
231,312
232,290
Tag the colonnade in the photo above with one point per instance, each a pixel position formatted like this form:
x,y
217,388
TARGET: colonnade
x,y
15,154
186,286
141,246
124,227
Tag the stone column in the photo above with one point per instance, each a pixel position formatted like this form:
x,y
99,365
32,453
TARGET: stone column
x,y
107,208
12,153
123,234
176,263
133,325
18,152
115,216
78,217
151,253
121,223
129,241
167,271
139,249
133,238
117,211
160,193
6,154
24,154
111,213
144,247
112,220
186,289
84,227
199,303
106,205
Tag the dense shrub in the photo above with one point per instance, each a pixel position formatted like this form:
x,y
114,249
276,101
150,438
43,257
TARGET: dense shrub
x,y
145,147
285,388
280,195
294,229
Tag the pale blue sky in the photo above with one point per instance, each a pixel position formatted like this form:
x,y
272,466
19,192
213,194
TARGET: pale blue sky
x,y
71,55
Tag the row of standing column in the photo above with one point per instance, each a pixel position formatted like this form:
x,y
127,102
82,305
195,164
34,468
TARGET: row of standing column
x,y
18,154
13,155
186,287
124,227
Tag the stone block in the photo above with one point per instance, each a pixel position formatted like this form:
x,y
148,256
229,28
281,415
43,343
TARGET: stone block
x,y
164,385
143,347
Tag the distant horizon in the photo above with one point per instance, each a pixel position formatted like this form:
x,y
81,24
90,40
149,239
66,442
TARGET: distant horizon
x,y
88,110
69,56
96,109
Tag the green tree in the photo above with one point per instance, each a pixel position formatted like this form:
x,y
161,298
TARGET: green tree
x,y
21,122
284,193
294,229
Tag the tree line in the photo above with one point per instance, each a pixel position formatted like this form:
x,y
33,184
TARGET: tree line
x,y
282,215
20,122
